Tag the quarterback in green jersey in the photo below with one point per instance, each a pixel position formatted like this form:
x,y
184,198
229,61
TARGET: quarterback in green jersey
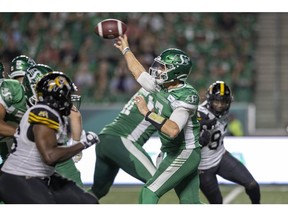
x,y
121,147
175,117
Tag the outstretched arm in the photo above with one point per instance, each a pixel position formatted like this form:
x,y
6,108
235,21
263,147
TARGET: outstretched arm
x,y
133,64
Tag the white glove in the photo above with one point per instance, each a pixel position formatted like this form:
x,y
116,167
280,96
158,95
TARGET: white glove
x,y
89,138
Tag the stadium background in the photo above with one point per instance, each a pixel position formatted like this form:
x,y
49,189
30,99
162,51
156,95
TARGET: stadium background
x,y
246,50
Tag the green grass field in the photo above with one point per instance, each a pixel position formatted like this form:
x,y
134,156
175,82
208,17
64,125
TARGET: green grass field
x,y
232,194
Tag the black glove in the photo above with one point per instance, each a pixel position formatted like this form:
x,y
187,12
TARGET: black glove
x,y
204,137
89,138
206,123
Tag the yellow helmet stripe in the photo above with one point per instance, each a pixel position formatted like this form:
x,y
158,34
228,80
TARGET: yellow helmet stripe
x,y
222,88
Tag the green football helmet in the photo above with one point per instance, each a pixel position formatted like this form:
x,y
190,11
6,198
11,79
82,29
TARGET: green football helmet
x,y
2,71
172,64
19,66
31,77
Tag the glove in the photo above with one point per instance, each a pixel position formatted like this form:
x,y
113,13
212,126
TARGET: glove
x,y
204,137
208,124
89,138
77,157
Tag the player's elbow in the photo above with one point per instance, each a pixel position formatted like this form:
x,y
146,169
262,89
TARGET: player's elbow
x,y
173,132
49,160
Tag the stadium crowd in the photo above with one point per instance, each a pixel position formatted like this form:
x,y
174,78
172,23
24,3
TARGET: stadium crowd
x,y
221,46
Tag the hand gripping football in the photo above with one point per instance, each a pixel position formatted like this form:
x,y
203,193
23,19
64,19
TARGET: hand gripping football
x,y
110,28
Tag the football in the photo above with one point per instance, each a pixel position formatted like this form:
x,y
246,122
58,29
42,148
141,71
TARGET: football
x,y
110,28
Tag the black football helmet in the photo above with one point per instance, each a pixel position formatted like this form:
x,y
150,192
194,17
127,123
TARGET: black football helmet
x,y
219,92
55,90
172,64
19,66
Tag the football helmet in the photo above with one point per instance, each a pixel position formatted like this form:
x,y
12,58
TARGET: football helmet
x,y
55,89
219,98
2,70
19,66
31,77
172,64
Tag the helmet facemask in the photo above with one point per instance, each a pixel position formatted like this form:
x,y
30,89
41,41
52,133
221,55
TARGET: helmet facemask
x,y
76,99
160,71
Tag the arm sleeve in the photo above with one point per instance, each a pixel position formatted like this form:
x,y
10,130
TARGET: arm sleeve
x,y
180,116
147,82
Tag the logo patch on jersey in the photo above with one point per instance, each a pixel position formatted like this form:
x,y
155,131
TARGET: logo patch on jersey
x,y
43,114
192,98
6,94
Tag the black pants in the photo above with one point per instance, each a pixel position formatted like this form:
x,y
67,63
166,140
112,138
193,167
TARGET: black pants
x,y
232,170
33,190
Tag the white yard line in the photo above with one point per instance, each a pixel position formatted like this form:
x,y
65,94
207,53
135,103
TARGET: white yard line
x,y
232,195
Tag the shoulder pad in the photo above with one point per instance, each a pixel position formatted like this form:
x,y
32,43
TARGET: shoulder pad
x,y
12,91
41,115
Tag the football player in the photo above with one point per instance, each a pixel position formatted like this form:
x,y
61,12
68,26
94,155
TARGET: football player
x,y
19,66
215,159
15,98
28,175
32,76
121,146
174,116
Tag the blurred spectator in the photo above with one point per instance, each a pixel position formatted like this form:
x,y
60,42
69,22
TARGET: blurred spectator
x,y
84,78
101,79
59,39
243,80
235,127
123,83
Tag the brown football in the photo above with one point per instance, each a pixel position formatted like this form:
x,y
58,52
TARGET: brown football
x,y
110,28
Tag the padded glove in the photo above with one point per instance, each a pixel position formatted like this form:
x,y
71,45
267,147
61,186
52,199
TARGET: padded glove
x,y
89,138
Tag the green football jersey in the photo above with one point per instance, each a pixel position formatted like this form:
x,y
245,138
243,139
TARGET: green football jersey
x,y
130,123
165,101
12,98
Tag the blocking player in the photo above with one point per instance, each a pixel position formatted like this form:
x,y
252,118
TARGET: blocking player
x,y
28,175
215,159
32,76
174,116
121,146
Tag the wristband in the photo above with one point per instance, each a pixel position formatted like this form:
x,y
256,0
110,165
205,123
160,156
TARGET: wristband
x,y
125,50
156,120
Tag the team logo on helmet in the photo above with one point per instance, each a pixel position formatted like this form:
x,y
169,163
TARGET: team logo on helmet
x,y
58,83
